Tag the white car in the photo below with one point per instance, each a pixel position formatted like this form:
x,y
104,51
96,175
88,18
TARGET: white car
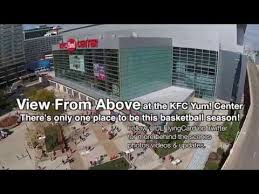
x,y
4,133
84,152
41,137
176,161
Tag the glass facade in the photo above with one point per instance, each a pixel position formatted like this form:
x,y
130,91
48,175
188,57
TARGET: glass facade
x,y
124,73
12,59
107,60
144,70
236,79
37,32
195,69
36,48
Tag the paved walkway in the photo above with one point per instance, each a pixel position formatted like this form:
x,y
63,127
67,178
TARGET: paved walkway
x,y
201,156
102,137
78,163
13,154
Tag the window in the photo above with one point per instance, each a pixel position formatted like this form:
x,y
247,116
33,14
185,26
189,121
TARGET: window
x,y
197,70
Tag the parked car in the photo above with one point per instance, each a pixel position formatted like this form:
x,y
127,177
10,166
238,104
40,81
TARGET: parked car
x,y
4,133
176,161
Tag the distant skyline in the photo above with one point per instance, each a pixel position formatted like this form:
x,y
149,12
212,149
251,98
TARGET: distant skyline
x,y
64,26
251,35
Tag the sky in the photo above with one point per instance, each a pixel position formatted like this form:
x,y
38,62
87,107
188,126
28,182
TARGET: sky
x,y
251,35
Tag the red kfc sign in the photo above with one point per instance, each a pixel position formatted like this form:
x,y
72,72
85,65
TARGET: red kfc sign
x,y
71,45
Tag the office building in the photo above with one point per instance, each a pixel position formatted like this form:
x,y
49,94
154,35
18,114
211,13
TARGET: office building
x,y
12,59
37,48
42,30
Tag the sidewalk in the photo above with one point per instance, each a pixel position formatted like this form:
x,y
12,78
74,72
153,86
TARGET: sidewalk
x,y
77,164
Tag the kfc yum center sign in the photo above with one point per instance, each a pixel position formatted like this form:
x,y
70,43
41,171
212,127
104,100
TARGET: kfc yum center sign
x,y
71,45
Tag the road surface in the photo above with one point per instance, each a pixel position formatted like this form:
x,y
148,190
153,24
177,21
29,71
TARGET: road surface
x,y
245,152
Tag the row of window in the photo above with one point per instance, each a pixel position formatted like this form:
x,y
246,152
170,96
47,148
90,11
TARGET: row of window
x,y
196,69
194,50
62,68
194,57
106,87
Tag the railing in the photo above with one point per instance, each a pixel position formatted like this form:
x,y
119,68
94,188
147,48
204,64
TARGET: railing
x,y
247,121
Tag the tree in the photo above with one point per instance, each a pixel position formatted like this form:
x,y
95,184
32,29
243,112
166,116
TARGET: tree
x,y
213,156
229,135
3,101
30,92
2,95
44,95
53,138
33,132
220,151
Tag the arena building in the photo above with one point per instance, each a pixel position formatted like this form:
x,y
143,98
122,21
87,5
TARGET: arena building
x,y
119,68
206,58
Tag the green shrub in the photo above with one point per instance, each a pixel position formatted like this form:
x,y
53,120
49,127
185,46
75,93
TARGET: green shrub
x,y
211,165
44,95
220,151
3,100
53,137
161,152
29,93
229,135
118,164
213,156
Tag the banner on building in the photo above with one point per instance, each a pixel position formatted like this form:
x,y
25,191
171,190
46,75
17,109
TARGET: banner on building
x,y
96,69
76,62
99,71
102,74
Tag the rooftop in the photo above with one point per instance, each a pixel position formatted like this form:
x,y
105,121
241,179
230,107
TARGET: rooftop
x,y
205,36
167,95
170,94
